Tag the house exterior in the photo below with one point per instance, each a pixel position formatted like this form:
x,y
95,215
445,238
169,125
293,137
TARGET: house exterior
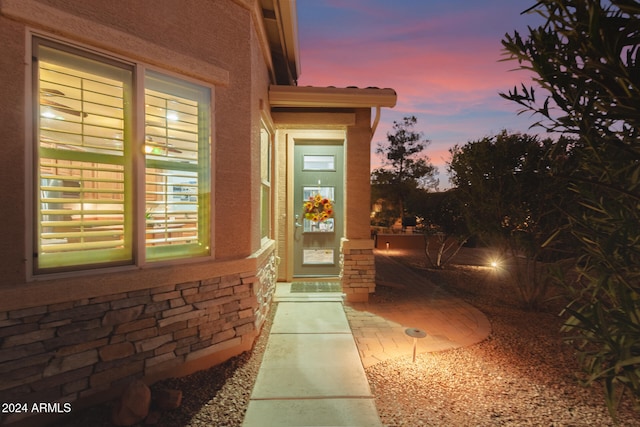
x,y
157,159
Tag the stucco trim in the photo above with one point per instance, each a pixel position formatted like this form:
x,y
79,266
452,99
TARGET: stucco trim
x,y
330,97
101,36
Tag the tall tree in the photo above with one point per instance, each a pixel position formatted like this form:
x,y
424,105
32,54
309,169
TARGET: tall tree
x,y
405,167
585,56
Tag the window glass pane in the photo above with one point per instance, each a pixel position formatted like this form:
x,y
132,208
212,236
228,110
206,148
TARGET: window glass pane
x,y
177,148
265,155
265,207
83,208
319,163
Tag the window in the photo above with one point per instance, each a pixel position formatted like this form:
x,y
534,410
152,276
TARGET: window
x,y
265,182
177,167
87,163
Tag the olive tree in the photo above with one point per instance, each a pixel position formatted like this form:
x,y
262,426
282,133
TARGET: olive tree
x,y
585,58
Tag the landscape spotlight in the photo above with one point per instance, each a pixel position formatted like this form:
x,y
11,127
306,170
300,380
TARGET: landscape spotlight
x,y
495,263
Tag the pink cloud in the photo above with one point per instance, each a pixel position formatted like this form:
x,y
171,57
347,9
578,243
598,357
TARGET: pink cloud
x,y
443,62
413,71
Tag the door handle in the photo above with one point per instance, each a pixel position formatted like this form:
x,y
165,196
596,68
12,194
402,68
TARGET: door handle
x,y
296,223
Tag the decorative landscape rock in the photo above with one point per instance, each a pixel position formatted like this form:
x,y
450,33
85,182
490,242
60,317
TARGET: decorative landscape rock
x,y
153,418
166,399
133,406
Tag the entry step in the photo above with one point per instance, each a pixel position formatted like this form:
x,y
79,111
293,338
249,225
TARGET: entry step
x,y
286,292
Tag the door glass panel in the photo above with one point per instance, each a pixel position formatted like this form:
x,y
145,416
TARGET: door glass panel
x,y
319,163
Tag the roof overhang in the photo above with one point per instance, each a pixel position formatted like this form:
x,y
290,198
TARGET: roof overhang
x,y
280,19
330,97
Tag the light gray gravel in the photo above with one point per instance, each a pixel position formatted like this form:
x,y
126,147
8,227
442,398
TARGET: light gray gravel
x,y
515,378
521,375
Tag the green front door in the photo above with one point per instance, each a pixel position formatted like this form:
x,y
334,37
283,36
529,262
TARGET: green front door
x,y
318,208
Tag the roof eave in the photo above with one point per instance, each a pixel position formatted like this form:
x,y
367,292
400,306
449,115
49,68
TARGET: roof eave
x,y
330,97
279,22
289,16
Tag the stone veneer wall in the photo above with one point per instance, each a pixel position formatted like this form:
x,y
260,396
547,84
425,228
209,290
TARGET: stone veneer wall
x,y
263,289
358,271
74,350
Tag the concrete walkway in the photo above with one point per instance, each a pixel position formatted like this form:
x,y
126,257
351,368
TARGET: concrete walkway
x,y
311,373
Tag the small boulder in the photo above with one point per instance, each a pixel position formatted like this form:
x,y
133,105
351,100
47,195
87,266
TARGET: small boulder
x,y
153,418
133,406
167,399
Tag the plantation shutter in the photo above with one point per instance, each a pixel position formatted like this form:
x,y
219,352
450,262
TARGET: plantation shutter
x,y
177,147
83,203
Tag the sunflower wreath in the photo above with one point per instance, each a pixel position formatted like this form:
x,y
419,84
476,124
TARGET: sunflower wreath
x,y
318,208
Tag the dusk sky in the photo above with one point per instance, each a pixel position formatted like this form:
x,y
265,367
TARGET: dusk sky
x,y
442,57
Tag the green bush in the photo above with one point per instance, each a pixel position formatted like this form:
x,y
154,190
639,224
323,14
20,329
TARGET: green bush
x,y
585,56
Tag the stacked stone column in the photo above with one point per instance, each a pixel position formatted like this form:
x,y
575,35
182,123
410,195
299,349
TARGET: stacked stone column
x,y
358,272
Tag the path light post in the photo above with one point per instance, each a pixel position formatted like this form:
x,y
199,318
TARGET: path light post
x,y
415,333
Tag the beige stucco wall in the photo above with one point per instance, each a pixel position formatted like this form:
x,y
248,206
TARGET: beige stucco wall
x,y
12,160
259,106
212,41
218,34
358,167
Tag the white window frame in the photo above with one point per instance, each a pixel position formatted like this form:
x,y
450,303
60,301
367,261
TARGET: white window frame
x,y
266,180
137,216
